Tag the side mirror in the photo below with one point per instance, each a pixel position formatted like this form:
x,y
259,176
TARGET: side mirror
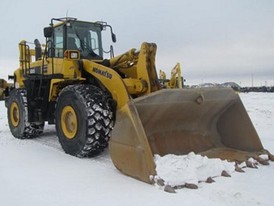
x,y
48,32
113,36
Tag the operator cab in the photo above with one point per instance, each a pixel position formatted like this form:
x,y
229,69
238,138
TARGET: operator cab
x,y
71,34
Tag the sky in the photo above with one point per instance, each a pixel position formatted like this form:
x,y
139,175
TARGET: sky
x,y
213,40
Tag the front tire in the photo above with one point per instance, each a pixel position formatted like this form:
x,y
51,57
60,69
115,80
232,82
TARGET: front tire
x,y
84,119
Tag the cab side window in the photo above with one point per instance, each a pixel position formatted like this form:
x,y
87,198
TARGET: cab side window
x,y
59,42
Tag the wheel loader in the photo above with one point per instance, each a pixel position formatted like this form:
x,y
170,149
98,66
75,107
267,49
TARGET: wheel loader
x,y
117,102
176,80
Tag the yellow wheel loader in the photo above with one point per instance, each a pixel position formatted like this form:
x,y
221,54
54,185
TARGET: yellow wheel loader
x,y
118,102
176,80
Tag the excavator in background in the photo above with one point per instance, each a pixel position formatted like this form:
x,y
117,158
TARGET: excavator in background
x,y
118,102
176,80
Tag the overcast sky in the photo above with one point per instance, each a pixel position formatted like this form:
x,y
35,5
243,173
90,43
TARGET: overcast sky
x,y
214,40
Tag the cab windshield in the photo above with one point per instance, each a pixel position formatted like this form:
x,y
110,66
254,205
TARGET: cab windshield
x,y
85,37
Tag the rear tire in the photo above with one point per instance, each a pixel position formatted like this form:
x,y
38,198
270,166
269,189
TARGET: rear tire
x,y
19,125
84,119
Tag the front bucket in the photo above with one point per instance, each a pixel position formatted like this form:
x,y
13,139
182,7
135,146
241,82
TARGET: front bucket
x,y
208,121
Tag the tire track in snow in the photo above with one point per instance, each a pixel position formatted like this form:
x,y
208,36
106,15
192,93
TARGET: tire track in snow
x,y
50,140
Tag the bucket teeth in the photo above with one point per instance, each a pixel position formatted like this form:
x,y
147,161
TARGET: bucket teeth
x,y
156,180
160,182
262,161
271,157
169,189
210,180
177,187
239,169
225,174
191,186
251,164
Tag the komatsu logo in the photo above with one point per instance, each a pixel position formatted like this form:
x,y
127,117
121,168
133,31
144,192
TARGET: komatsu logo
x,y
103,73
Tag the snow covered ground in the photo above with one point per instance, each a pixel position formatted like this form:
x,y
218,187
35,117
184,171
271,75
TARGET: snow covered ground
x,y
38,172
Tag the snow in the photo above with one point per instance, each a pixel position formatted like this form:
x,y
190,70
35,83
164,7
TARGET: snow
x,y
191,169
38,172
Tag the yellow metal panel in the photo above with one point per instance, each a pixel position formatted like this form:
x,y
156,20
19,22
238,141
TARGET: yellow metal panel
x,y
146,66
53,89
110,79
135,86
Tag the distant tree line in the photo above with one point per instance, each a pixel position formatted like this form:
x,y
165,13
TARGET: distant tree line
x,y
257,89
236,87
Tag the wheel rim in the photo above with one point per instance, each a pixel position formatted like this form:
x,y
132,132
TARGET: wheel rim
x,y
69,122
14,114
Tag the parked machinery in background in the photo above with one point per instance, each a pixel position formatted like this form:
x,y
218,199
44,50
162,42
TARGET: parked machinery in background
x,y
176,79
